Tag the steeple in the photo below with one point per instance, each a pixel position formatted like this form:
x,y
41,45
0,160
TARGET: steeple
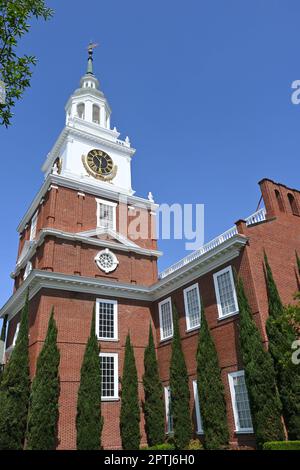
x,y
88,103
90,49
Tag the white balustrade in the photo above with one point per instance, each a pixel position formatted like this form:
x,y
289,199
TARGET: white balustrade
x,y
258,216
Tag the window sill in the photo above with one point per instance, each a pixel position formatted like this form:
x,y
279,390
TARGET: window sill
x,y
112,399
108,340
229,315
190,330
166,339
244,431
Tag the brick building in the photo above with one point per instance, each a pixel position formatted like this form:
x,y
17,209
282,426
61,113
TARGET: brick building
x,y
78,249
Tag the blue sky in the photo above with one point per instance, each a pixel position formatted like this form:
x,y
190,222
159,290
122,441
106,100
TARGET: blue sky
x,y
201,87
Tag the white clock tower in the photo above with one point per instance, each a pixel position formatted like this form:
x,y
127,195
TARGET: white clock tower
x,y
88,127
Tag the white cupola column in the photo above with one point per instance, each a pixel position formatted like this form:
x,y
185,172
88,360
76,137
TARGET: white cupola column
x,y
102,117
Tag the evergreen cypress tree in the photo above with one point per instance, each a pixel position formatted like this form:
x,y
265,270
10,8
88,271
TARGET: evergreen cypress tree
x,y
2,344
281,336
180,393
43,405
260,376
211,390
154,404
298,262
130,408
15,390
88,420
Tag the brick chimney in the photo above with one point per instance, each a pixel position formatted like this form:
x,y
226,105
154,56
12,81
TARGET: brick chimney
x,y
279,199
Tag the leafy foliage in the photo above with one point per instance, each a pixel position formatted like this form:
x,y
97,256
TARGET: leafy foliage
x,y
154,404
211,391
88,421
43,405
260,376
130,408
282,445
282,334
16,71
180,393
15,390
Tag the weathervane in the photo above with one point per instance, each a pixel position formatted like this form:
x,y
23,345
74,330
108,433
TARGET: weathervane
x,y
90,48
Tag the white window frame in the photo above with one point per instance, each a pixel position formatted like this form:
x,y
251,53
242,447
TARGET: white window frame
x,y
238,428
216,275
16,334
107,203
186,307
167,410
116,376
169,301
115,304
27,270
33,226
199,427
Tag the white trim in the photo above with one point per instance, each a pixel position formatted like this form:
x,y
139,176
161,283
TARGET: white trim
x,y
104,202
205,264
28,270
163,302
33,225
116,376
15,335
115,304
238,429
186,308
167,410
228,269
30,248
199,429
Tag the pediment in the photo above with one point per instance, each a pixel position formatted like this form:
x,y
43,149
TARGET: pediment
x,y
107,234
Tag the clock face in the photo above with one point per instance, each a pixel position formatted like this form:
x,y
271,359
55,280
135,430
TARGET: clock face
x,y
100,163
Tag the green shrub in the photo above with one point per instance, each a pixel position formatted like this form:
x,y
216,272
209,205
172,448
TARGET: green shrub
x,y
282,445
195,444
164,446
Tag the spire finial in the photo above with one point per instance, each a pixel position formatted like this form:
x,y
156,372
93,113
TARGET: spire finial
x,y
90,48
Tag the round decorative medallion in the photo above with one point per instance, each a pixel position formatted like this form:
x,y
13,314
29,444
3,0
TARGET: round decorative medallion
x,y
106,261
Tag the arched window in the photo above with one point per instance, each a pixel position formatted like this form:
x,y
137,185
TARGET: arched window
x,y
293,204
96,114
80,110
279,200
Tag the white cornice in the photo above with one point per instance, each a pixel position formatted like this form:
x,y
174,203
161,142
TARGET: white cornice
x,y
86,136
122,246
85,187
209,261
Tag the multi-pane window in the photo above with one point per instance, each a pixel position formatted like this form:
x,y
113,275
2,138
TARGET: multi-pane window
x,y
33,226
107,319
240,402
165,319
199,428
106,214
109,372
192,306
225,292
169,417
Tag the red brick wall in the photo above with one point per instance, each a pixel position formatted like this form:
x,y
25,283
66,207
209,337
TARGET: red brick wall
x,y
279,236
